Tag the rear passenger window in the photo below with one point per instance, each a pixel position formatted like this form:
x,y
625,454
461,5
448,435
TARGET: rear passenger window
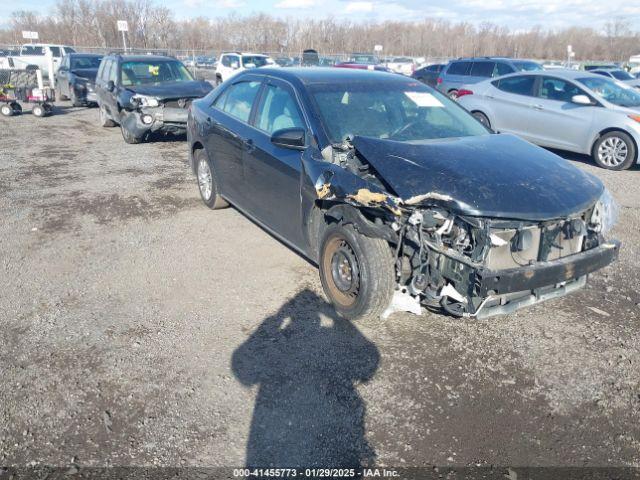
x,y
502,69
482,69
278,110
238,100
520,85
459,68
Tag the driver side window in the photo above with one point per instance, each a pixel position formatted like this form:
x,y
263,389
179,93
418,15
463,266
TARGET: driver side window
x,y
278,110
551,88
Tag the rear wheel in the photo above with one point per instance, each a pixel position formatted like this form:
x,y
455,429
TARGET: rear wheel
x,y
105,121
207,184
453,94
614,151
482,118
218,80
357,272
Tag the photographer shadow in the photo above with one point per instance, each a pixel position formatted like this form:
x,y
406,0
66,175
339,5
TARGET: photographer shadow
x,y
306,362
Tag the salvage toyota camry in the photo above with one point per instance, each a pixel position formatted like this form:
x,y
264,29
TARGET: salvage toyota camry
x,y
399,195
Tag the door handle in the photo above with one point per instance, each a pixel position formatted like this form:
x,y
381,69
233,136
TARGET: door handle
x,y
537,107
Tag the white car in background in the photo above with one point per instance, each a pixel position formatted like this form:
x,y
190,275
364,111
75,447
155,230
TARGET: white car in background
x,y
232,63
569,110
403,65
41,55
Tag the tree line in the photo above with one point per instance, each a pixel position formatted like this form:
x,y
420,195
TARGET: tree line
x,y
92,23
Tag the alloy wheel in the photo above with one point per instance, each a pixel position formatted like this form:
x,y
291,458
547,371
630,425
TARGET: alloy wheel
x,y
205,179
613,151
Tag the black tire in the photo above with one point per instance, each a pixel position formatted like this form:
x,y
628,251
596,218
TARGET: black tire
x,y
38,110
357,272
218,80
607,151
482,118
6,110
207,183
453,94
105,121
129,137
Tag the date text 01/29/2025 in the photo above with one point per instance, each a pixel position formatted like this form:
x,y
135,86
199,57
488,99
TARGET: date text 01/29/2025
x,y
315,472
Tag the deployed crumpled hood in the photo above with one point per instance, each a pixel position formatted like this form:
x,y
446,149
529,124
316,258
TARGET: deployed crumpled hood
x,y
195,89
488,175
89,73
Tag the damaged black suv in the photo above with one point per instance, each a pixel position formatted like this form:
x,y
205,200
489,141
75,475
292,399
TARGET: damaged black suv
x,y
400,196
145,93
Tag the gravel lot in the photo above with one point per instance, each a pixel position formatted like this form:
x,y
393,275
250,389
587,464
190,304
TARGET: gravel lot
x,y
140,328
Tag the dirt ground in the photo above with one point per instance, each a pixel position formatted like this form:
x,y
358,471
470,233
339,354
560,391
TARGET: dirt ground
x,y
140,328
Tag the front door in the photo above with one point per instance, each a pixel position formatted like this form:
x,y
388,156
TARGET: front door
x,y
273,173
560,123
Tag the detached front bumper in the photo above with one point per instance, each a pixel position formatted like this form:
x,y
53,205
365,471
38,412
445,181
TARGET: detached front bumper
x,y
499,282
505,291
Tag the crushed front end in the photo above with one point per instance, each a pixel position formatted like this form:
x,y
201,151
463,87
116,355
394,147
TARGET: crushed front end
x,y
149,114
450,251
473,266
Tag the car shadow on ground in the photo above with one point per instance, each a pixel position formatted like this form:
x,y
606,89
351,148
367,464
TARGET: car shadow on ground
x,y
306,362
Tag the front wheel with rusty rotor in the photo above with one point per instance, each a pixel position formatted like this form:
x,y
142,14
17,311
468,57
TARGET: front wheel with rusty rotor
x,y
356,271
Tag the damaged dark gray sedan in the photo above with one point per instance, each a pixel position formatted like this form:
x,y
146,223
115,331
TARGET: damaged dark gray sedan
x,y
400,196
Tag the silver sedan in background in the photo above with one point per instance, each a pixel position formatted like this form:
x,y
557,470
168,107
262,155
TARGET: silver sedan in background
x,y
564,109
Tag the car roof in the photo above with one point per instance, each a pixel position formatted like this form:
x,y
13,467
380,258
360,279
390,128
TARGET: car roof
x,y
608,69
320,75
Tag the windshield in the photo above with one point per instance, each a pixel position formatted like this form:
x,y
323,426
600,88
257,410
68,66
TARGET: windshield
x,y
621,75
612,92
397,112
254,60
85,62
153,72
527,66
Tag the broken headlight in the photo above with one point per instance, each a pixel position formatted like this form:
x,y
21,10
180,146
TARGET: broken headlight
x,y
605,213
144,101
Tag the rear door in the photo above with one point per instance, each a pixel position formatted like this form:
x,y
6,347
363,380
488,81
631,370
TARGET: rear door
x,y
557,121
227,127
272,172
510,100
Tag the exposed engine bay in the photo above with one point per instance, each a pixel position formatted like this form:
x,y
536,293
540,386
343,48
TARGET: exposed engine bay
x,y
449,254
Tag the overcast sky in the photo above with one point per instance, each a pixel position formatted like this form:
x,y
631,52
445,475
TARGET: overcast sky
x,y
516,14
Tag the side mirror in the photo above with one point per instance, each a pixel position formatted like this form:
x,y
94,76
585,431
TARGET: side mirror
x,y
111,86
581,100
292,138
